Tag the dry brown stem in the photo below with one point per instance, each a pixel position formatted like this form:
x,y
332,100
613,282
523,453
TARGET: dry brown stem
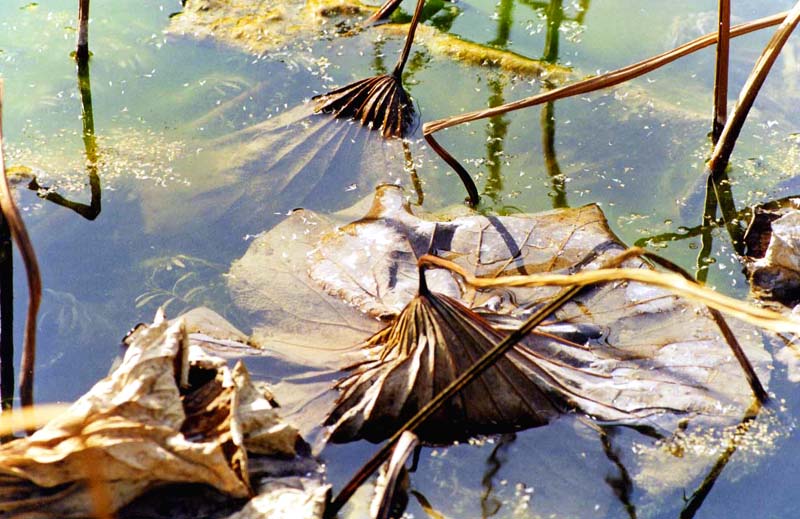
x,y
721,74
727,140
675,283
82,49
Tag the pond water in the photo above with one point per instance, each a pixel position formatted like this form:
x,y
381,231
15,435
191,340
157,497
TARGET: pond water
x,y
174,215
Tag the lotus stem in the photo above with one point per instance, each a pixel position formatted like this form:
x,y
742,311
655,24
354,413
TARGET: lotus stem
x,y
412,29
727,140
721,75
607,80
383,12
82,49
588,85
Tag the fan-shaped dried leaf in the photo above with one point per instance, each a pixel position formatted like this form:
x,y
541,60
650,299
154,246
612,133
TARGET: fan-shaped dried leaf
x,y
379,102
618,352
167,414
432,342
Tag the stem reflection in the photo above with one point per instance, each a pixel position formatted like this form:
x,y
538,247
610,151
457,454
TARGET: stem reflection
x,y
92,210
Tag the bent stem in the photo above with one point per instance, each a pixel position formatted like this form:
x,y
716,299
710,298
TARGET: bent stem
x,y
23,241
675,283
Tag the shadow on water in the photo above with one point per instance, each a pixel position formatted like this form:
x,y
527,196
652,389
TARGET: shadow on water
x,y
695,501
621,484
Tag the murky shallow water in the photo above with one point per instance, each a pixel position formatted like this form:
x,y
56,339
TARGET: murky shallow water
x,y
169,226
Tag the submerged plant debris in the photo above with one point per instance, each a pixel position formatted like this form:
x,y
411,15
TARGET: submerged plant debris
x,y
773,252
267,26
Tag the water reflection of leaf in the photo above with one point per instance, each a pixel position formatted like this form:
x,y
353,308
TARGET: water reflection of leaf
x,y
295,159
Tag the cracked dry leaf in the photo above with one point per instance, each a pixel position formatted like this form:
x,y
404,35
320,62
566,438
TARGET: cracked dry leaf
x,y
167,414
619,352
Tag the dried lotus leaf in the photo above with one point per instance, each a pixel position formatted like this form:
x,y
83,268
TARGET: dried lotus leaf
x,y
428,346
619,352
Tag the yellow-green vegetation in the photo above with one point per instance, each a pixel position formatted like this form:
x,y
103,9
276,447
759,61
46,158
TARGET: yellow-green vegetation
x,y
263,26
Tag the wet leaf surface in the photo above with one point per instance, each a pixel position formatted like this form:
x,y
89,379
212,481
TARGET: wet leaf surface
x,y
304,335
621,352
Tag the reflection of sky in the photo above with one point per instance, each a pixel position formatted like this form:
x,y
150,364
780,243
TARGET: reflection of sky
x,y
161,102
